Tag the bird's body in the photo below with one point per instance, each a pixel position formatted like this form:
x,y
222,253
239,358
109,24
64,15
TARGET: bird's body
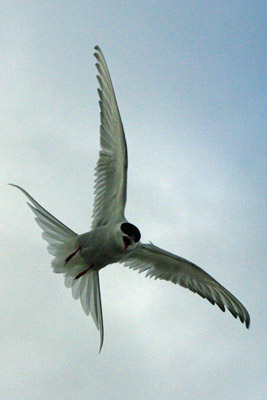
x,y
98,247
101,246
112,239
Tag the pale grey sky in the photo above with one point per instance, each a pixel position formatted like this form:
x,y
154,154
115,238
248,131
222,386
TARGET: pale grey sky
x,y
189,79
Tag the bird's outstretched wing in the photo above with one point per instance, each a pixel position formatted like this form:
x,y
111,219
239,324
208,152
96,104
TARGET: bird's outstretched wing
x,y
62,244
54,231
161,264
111,168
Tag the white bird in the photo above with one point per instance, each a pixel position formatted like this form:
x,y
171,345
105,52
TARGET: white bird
x,y
112,238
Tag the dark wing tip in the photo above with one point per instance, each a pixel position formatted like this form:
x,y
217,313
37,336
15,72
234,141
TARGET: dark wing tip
x,y
99,52
243,315
221,307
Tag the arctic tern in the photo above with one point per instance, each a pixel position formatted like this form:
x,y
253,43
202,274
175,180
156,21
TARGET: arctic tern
x,y
112,239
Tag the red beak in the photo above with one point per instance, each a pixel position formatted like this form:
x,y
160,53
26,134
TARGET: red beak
x,y
127,241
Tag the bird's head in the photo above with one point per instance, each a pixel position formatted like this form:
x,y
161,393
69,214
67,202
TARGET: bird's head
x,y
128,236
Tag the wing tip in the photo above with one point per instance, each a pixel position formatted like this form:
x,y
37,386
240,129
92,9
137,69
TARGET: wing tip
x,y
98,52
247,321
21,189
101,345
14,185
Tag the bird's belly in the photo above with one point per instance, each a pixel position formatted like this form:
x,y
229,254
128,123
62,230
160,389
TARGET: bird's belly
x,y
98,252
98,259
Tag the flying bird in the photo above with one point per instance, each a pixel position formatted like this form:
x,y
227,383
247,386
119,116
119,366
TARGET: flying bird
x,y
112,239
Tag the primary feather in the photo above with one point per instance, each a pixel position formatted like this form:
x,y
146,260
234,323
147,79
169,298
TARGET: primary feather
x,y
161,264
111,169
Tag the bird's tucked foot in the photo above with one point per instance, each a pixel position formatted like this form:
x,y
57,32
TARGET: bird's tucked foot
x,y
82,273
71,255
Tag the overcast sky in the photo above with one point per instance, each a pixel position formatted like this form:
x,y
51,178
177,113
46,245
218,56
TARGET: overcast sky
x,y
189,79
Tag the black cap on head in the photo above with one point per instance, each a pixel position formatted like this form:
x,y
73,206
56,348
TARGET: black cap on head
x,y
131,230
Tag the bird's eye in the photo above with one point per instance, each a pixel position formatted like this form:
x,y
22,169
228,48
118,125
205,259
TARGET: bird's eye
x,y
131,230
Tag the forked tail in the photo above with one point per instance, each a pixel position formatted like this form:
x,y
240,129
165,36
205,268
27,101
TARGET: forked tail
x,y
63,245
87,289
